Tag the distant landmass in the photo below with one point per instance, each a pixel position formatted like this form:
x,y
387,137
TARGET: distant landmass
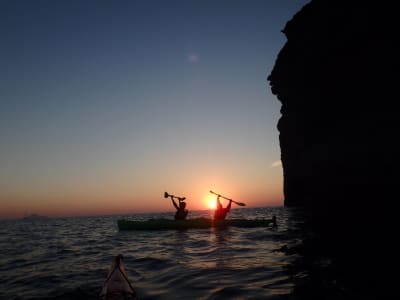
x,y
35,217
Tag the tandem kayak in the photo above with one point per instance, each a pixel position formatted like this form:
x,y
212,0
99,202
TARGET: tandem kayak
x,y
117,285
197,223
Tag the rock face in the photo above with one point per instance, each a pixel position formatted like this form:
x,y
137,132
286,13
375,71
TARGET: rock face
x,y
337,80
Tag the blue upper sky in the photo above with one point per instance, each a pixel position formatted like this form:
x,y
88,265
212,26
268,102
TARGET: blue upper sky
x,y
121,100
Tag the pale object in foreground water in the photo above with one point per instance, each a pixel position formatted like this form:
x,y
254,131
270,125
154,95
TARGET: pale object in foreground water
x,y
117,285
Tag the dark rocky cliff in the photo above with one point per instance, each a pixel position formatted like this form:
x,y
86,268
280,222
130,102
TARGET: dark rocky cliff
x,y
337,80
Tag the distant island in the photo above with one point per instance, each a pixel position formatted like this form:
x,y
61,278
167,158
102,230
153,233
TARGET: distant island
x,y
35,217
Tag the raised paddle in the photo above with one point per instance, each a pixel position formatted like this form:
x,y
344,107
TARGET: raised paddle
x,y
166,195
238,203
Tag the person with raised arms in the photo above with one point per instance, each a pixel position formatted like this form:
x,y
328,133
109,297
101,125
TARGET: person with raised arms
x,y
181,211
221,212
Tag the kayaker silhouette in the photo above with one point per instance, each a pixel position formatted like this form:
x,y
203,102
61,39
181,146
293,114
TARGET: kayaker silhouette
x,y
221,212
181,211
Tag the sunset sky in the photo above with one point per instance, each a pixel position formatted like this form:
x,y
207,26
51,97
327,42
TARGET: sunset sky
x,y
105,105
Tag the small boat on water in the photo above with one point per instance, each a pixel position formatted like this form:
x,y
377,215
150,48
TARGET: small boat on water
x,y
117,285
196,223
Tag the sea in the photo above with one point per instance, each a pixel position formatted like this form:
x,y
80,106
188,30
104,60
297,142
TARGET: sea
x,y
69,258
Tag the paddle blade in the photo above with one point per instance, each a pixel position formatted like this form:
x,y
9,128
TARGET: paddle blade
x,y
240,204
166,195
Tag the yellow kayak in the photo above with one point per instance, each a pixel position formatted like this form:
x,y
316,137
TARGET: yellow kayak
x,y
117,285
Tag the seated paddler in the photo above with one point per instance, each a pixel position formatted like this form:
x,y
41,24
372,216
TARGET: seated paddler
x,y
221,212
181,211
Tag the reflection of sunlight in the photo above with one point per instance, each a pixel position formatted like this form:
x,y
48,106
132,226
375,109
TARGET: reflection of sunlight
x,y
211,202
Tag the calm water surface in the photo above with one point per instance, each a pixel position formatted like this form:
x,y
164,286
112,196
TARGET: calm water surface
x,y
68,258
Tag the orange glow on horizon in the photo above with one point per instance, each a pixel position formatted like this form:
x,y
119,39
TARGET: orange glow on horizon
x,y
211,202
108,202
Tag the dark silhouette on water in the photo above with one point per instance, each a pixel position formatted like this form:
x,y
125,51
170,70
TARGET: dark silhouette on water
x,y
221,212
274,221
337,80
181,211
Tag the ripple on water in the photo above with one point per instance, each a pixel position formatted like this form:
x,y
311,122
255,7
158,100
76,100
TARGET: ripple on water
x,y
68,258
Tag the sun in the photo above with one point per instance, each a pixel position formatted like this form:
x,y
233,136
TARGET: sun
x,y
211,202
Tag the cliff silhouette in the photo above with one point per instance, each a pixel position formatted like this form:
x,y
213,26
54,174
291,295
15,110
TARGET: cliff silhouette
x,y
336,78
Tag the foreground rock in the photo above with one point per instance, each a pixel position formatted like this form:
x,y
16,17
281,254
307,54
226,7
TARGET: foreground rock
x,y
337,80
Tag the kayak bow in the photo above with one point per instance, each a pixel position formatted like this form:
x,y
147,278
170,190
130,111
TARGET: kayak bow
x,y
117,285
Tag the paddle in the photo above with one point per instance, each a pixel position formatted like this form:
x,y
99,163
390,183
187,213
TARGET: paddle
x,y
238,203
166,195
